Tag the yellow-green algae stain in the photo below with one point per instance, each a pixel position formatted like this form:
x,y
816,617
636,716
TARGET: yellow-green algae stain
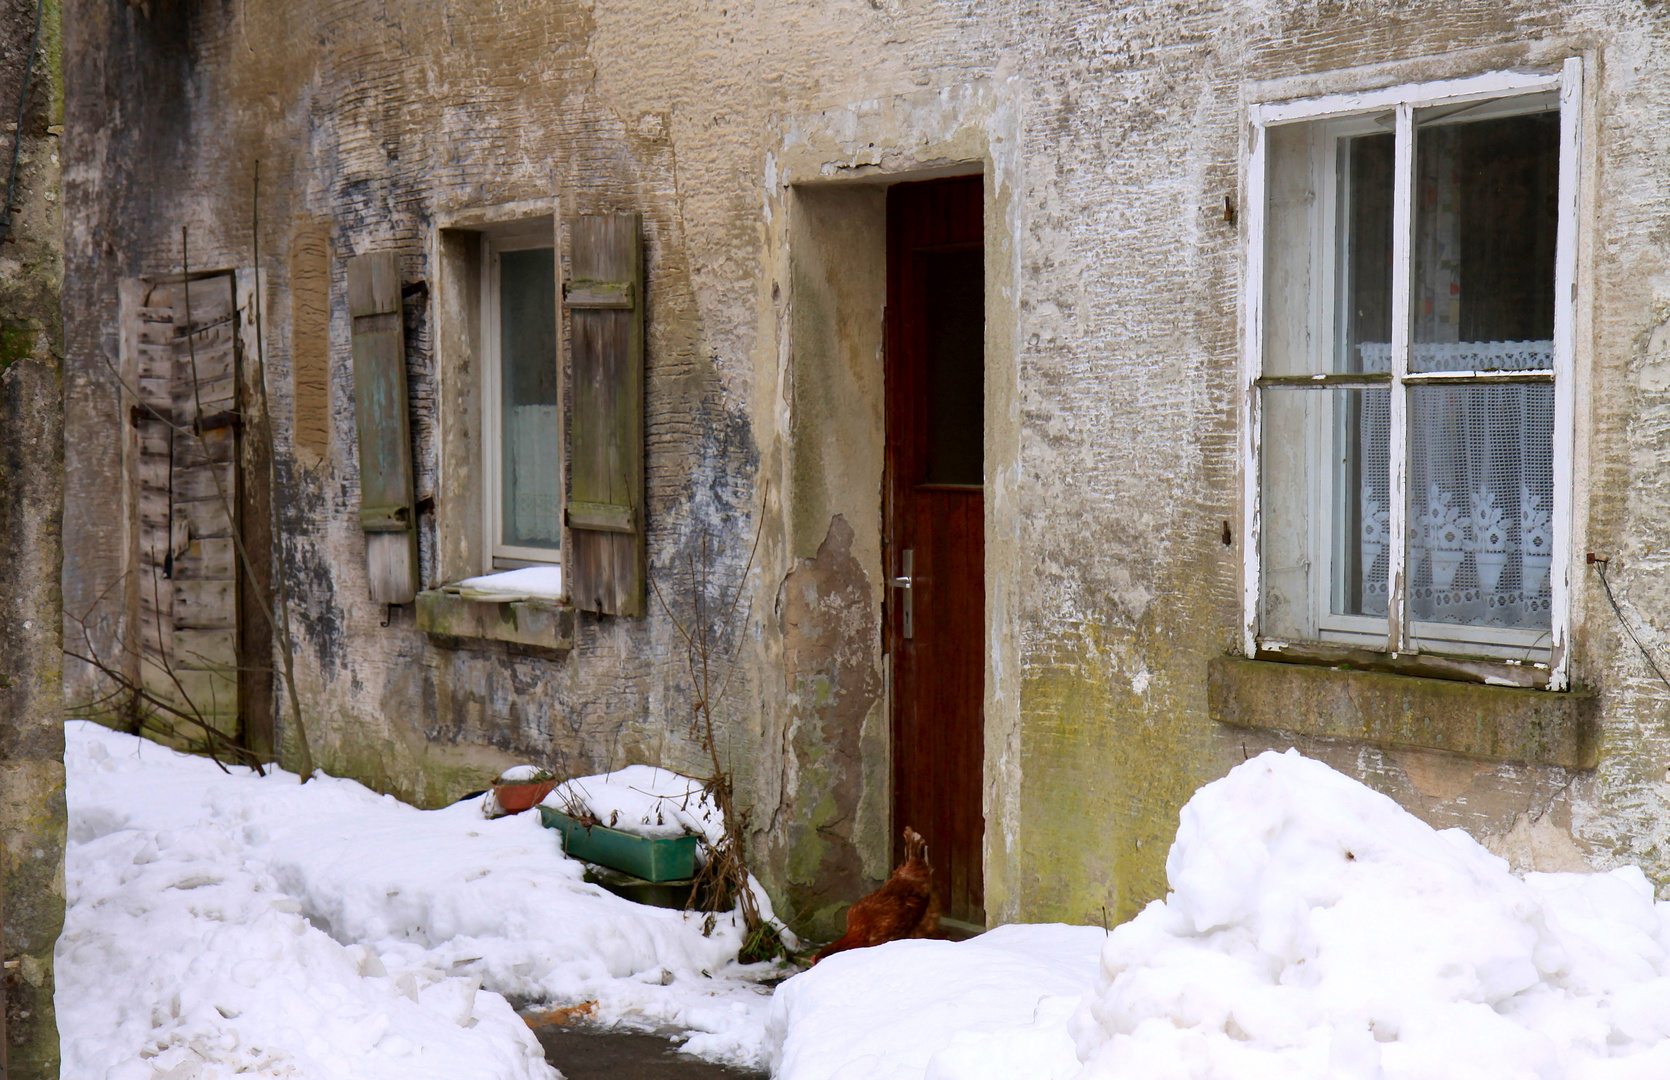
x,y
428,777
1104,770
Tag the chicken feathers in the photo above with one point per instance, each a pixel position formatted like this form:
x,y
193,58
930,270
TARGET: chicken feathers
x,y
904,907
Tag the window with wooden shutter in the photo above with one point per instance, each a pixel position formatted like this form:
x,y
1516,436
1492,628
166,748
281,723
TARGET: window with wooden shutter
x,y
605,514
380,412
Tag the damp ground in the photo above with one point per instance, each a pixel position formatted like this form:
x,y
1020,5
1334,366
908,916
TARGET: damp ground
x,y
581,1052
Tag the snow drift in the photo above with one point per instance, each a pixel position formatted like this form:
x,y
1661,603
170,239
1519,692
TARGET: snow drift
x,y
221,923
1316,929
994,1006
1313,929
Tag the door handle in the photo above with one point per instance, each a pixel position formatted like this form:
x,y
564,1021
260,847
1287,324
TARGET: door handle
x,y
905,583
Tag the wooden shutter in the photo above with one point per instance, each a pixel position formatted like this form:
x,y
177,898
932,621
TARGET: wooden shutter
x,y
385,443
605,514
188,428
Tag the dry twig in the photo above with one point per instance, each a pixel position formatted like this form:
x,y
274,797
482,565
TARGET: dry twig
x,y
723,879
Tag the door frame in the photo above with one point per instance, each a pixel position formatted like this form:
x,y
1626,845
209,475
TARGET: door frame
x,y
957,129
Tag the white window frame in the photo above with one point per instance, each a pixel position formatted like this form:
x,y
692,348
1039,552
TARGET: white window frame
x,y
1396,635
498,554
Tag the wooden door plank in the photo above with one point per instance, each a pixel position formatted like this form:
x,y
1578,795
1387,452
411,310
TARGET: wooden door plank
x,y
204,605
214,482
210,695
157,392
213,444
207,559
154,509
206,649
203,518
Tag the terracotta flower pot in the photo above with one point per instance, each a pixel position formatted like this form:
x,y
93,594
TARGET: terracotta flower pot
x,y
515,798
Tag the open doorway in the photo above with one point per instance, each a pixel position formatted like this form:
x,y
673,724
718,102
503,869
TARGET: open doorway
x,y
935,526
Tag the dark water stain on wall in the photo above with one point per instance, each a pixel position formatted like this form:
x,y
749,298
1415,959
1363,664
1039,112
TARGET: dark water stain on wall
x,y
828,619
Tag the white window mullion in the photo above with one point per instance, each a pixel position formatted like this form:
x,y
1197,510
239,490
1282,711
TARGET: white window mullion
x,y
1252,364
1403,216
1565,296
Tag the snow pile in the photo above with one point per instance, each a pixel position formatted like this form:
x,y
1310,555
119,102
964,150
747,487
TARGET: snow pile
x,y
1315,929
323,925
995,1006
644,801
178,961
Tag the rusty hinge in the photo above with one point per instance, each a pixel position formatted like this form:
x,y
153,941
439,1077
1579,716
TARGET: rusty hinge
x,y
139,413
224,419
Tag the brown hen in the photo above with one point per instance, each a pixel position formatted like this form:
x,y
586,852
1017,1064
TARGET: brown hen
x,y
904,907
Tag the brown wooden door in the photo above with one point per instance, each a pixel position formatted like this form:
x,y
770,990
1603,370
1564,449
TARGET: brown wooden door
x,y
936,513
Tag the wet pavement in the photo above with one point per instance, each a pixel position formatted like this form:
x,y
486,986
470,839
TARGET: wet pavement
x,y
586,1053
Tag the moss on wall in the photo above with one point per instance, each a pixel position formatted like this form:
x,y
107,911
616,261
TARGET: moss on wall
x,y
32,810
1109,755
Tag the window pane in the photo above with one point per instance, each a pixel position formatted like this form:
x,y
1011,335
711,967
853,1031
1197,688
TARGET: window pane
x,y
1324,513
1363,262
1328,231
1481,499
955,311
1486,214
1362,502
531,481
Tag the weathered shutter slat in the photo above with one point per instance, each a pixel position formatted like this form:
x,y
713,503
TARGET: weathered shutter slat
x,y
381,415
604,297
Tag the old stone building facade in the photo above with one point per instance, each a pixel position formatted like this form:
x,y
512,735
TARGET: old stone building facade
x,y
1143,191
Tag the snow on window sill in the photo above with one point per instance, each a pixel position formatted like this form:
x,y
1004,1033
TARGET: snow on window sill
x,y
1491,722
508,586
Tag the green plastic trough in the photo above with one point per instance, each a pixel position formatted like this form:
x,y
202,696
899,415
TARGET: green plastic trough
x,y
670,858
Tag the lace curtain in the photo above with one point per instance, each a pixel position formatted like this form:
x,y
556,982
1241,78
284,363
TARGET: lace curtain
x,y
1481,488
531,480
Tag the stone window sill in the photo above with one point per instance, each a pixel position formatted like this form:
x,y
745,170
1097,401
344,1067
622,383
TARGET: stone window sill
x,y
1492,722
453,621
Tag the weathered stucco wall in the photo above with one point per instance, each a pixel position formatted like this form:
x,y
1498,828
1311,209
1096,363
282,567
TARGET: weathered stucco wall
x,y
32,812
754,138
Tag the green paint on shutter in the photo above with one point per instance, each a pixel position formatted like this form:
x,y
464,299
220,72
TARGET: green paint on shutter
x,y
380,410
604,298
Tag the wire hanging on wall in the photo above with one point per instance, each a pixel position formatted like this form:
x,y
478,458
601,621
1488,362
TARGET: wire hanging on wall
x,y
1599,563
17,136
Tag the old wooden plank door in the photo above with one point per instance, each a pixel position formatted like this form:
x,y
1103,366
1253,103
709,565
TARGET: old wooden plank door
x,y
188,433
935,548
